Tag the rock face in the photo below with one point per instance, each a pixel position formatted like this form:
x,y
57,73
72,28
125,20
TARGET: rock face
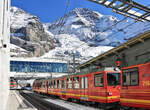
x,y
29,33
87,25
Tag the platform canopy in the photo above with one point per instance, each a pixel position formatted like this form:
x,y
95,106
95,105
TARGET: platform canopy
x,y
127,8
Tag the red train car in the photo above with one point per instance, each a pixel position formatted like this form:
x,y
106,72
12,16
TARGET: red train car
x,y
101,87
13,84
135,91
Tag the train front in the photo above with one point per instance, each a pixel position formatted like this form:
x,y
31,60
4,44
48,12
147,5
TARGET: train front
x,y
113,87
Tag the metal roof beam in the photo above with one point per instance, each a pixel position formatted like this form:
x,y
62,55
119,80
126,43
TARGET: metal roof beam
x,y
103,2
136,5
126,10
111,4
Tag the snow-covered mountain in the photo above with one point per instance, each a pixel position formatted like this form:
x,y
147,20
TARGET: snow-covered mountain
x,y
96,29
83,32
28,33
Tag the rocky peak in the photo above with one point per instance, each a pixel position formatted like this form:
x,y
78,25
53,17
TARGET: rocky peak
x,y
29,33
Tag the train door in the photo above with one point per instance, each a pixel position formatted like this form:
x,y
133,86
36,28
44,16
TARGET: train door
x,y
113,86
135,90
97,87
84,88
63,88
76,87
130,83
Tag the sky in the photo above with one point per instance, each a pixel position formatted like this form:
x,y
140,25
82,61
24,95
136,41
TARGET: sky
x,y
51,10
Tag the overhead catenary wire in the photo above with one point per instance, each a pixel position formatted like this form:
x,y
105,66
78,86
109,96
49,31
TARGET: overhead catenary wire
x,y
62,18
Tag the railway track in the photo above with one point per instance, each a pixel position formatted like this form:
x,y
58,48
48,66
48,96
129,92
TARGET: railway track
x,y
44,102
40,103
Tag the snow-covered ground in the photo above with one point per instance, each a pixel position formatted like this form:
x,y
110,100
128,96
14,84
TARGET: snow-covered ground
x,y
70,105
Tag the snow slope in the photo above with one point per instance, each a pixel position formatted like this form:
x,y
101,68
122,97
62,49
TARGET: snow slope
x,y
71,44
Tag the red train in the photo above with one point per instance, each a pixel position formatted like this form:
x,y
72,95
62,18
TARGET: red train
x,y
135,87
104,87
101,87
13,84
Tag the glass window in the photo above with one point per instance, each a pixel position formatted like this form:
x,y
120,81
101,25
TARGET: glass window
x,y
76,82
130,77
86,82
126,79
55,84
63,83
49,84
82,83
69,83
23,66
99,80
44,84
113,79
52,84
59,83
134,78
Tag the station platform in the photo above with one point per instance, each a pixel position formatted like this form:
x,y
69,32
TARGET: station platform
x,y
17,102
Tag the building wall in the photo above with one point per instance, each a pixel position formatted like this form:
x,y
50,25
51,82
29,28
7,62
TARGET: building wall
x,y
136,54
4,52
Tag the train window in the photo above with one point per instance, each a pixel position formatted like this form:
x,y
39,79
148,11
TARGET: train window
x,y
134,78
49,84
40,84
63,83
86,82
57,83
76,82
82,83
130,77
69,83
126,79
113,79
44,84
99,80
